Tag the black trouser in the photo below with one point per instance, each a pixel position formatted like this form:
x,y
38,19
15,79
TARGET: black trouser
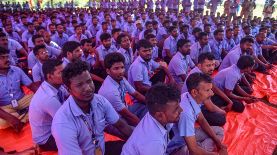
x,y
260,68
213,118
113,147
50,145
270,56
237,105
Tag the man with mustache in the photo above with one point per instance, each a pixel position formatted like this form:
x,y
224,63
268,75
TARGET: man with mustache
x,y
213,114
189,139
143,72
181,62
78,126
151,134
13,102
115,87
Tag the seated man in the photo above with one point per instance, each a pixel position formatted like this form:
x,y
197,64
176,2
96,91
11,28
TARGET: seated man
x,y
142,74
151,134
126,50
13,47
45,103
257,46
105,48
188,139
181,62
71,51
153,41
41,54
199,47
78,35
170,44
13,103
78,126
115,87
213,114
38,40
227,80
218,46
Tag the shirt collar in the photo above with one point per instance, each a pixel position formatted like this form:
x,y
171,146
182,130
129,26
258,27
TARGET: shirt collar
x,y
49,88
11,70
76,110
114,82
181,55
162,129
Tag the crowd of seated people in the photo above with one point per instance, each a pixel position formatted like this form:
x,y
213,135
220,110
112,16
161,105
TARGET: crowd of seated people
x,y
146,76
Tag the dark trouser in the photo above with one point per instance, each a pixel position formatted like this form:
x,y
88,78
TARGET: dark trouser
x,y
167,59
270,56
213,118
237,105
158,77
50,145
260,68
113,147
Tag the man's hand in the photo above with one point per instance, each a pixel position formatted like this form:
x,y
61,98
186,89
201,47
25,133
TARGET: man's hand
x,y
223,151
229,106
250,99
15,123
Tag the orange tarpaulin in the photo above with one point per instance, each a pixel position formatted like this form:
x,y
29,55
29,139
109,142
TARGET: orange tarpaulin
x,y
253,132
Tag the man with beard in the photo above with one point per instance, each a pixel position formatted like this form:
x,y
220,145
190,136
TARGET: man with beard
x,y
45,103
143,72
60,37
189,139
199,47
13,47
105,48
78,36
12,34
181,62
218,46
78,126
26,35
38,40
71,52
151,134
126,50
129,26
13,103
41,54
115,87
170,44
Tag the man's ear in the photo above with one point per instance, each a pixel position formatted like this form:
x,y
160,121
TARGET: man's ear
x,y
108,71
193,92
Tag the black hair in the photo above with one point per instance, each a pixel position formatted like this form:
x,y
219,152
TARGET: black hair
x,y
105,36
159,95
201,35
205,56
4,51
143,43
247,39
83,41
34,37
104,23
196,30
49,65
182,42
72,70
218,31
146,32
2,34
229,29
37,48
149,36
113,58
171,28
245,61
69,46
40,28
120,37
79,25
115,30
148,23
194,80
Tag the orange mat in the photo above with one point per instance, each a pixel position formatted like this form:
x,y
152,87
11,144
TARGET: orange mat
x,y
253,132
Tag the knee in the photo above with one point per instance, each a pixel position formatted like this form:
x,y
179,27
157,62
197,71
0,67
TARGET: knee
x,y
238,107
